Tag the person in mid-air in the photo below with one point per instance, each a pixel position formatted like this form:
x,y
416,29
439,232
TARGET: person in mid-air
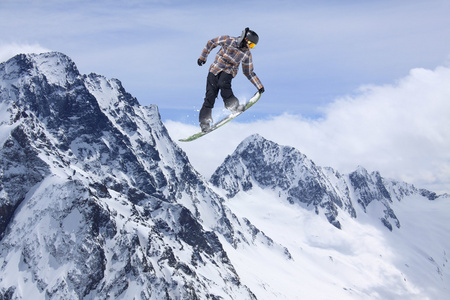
x,y
235,50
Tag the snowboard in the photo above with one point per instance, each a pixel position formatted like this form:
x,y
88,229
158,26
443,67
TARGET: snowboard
x,y
225,120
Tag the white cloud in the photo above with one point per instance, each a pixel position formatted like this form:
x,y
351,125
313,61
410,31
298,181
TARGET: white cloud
x,y
401,130
9,50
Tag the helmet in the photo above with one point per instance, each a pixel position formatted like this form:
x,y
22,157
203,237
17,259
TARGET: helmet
x,y
252,36
248,36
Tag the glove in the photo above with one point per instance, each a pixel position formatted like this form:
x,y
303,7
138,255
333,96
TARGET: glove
x,y
200,62
261,90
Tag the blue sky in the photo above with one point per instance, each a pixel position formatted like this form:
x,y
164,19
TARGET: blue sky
x,y
310,52
312,55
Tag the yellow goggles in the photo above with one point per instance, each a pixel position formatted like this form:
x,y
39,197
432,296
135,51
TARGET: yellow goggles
x,y
250,44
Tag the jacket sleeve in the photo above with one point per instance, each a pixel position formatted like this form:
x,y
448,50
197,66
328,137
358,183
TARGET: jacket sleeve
x,y
247,68
211,44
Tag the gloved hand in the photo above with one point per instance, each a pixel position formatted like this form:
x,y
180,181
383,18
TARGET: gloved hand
x,y
261,90
200,62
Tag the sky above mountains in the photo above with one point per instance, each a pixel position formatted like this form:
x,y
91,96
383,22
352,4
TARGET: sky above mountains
x,y
347,82
310,52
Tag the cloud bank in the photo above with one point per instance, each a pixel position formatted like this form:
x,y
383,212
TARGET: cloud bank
x,y
401,130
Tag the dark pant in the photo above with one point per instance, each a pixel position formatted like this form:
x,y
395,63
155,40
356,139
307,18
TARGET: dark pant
x,y
214,83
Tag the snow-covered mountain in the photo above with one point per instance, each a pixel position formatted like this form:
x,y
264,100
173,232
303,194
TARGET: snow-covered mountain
x,y
390,240
97,202
294,177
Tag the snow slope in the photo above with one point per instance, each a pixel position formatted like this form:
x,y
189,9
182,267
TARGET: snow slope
x,y
361,261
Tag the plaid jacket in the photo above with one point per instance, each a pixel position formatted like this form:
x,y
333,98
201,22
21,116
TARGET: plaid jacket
x,y
229,57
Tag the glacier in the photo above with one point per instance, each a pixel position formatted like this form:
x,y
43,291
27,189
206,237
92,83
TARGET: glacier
x,y
98,202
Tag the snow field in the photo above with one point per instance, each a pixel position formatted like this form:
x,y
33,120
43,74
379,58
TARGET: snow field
x,y
364,260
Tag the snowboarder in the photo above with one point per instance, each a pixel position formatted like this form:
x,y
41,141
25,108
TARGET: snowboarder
x,y
224,68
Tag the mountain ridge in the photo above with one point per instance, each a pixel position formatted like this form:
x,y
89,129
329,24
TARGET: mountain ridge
x,y
286,170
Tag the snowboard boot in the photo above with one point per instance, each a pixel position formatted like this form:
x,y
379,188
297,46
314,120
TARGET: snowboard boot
x,y
238,109
205,118
232,104
205,127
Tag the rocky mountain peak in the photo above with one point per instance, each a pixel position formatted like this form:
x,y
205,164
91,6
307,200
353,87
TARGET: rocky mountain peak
x,y
284,169
92,185
56,67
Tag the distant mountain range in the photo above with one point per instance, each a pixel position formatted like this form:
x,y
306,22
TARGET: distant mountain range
x,y
98,202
